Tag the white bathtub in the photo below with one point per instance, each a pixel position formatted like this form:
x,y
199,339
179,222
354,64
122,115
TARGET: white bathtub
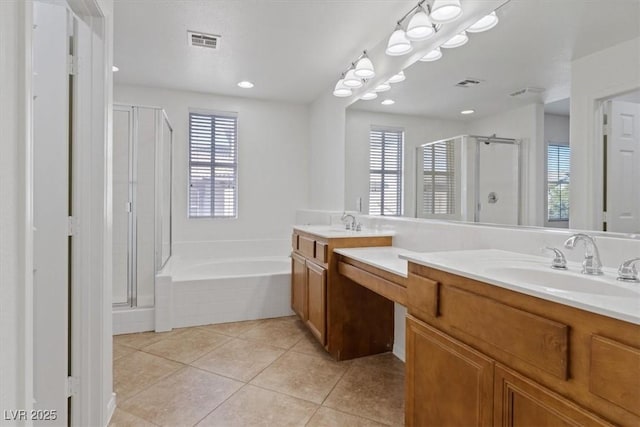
x,y
198,288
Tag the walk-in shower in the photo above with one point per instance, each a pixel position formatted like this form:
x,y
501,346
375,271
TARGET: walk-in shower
x,y
142,163
470,178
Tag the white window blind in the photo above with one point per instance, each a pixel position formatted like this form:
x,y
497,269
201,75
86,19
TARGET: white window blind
x,y
385,171
439,179
213,166
558,164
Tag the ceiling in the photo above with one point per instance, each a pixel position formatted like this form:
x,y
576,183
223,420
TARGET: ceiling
x,y
532,46
559,108
292,50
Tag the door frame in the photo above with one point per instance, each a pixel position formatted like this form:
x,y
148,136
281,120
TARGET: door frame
x,y
91,313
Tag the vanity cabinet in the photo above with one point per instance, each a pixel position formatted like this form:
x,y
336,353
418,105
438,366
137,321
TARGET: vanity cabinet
x,y
347,319
478,354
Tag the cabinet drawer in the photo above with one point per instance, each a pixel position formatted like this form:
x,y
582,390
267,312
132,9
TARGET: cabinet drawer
x,y
422,296
615,373
321,252
306,246
536,340
294,241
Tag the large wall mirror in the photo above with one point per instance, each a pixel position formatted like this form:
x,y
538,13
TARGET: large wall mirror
x,y
485,130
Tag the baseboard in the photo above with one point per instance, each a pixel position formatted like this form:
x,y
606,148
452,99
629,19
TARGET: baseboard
x,y
399,352
133,320
111,408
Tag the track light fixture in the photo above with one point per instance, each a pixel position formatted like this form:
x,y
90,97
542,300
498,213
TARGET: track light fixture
x,y
355,76
364,67
341,91
445,11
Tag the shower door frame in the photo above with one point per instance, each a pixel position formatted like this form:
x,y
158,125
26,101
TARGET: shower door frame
x,y
495,140
160,117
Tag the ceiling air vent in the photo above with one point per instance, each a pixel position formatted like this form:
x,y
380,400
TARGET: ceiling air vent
x,y
468,83
203,40
527,91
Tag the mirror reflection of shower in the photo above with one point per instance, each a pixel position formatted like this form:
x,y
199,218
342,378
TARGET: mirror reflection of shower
x,y
470,178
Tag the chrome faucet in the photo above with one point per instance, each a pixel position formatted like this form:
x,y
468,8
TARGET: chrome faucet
x,y
352,225
591,264
627,271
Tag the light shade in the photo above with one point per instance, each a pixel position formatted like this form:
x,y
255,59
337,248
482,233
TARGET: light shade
x,y
398,44
341,91
388,102
484,24
456,41
420,26
351,80
364,69
445,11
369,96
434,55
397,78
382,87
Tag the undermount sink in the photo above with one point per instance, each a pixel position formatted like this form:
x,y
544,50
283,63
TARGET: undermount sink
x,y
561,281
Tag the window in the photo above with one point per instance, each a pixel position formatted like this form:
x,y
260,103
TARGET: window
x,y
439,179
385,171
558,164
213,165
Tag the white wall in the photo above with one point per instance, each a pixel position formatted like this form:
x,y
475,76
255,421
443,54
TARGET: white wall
x,y
600,75
417,131
556,131
556,128
272,162
525,123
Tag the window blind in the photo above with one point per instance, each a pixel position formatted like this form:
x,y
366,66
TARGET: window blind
x,y
385,171
213,166
439,179
558,172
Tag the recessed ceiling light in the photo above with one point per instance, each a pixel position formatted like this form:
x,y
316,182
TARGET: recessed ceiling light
x,y
115,69
388,102
245,84
465,112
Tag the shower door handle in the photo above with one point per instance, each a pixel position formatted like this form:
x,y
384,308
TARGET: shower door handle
x,y
129,207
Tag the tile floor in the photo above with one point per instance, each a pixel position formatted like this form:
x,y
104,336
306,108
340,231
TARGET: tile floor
x,y
258,373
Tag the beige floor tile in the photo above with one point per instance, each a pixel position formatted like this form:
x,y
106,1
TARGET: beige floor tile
x,y
136,371
121,351
188,345
384,361
301,375
282,332
254,406
239,359
183,398
370,391
327,417
142,339
310,345
122,418
232,329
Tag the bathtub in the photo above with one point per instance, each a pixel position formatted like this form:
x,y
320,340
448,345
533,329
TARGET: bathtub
x,y
200,288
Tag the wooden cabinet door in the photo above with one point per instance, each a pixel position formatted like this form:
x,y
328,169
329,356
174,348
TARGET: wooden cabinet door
x,y
447,382
299,286
317,300
520,402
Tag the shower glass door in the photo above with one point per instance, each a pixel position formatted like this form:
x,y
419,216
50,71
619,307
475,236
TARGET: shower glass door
x,y
142,144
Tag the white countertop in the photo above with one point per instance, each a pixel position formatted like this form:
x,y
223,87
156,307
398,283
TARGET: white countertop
x,y
339,232
385,258
597,294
